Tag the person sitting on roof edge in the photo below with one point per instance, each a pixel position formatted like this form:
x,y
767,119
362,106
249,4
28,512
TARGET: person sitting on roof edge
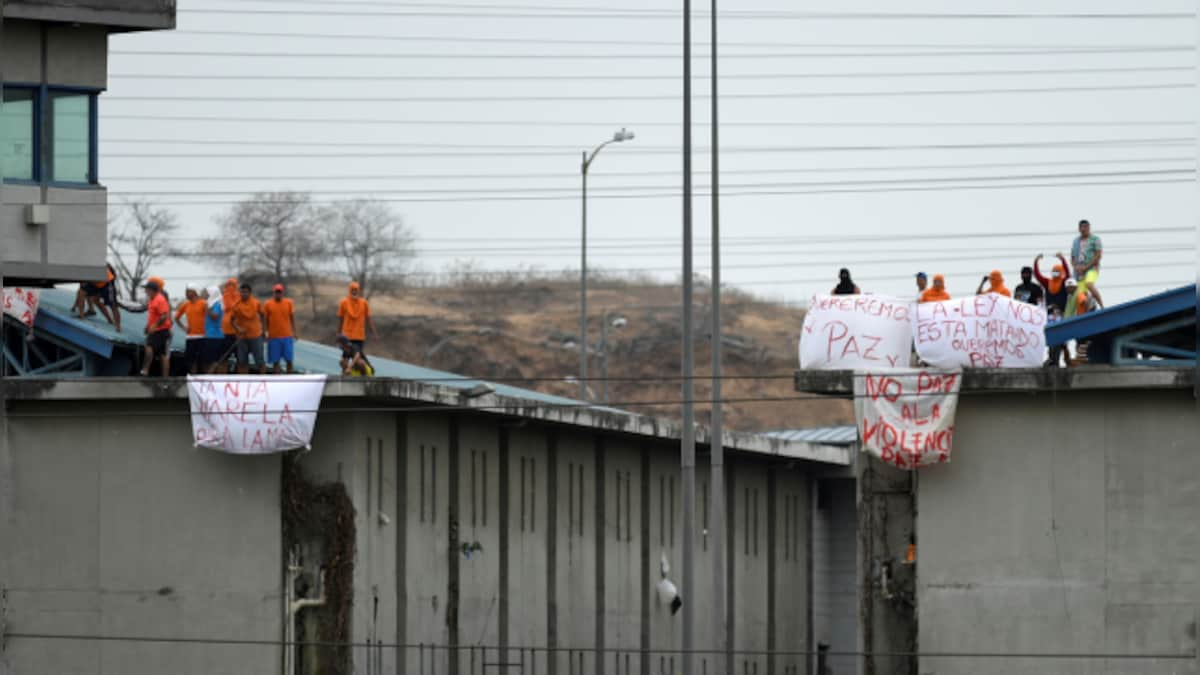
x,y
359,366
102,295
158,329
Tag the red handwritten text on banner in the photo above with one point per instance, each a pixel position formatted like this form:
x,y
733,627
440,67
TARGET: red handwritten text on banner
x,y
254,415
906,418
856,331
981,331
22,304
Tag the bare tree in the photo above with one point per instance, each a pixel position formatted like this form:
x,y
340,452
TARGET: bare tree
x,y
273,232
140,238
370,239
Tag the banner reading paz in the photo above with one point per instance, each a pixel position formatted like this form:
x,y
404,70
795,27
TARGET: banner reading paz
x,y
980,331
906,418
847,332
253,415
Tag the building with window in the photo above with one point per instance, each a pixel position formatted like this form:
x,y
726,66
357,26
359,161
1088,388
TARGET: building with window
x,y
53,206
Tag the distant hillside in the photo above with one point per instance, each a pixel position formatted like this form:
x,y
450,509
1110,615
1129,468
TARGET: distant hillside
x,y
527,327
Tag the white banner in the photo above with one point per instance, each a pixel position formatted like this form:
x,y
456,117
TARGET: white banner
x,y
980,331
253,414
22,303
848,332
906,418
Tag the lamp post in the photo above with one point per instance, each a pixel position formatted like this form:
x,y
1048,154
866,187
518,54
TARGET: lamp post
x,y
618,137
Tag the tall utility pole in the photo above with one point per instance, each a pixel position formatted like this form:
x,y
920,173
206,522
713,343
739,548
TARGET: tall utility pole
x,y
687,451
717,454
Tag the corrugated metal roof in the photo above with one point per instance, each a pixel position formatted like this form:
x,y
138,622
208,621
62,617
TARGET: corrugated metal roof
x,y
311,357
1114,318
840,435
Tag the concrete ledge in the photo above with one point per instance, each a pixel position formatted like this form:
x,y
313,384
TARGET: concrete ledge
x,y
1024,380
390,393
116,14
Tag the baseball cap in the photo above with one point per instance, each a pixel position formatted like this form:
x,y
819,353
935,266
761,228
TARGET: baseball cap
x,y
1071,283
152,286
278,287
922,275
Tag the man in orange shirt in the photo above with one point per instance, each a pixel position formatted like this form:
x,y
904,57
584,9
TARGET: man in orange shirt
x,y
158,329
229,298
192,311
936,292
281,330
355,314
246,319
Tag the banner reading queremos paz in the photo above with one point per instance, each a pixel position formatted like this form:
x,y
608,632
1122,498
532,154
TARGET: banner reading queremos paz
x,y
253,415
906,418
847,332
980,331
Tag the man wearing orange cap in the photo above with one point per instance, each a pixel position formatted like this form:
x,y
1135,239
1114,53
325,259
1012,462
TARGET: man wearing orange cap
x,y
936,292
158,328
281,330
995,282
355,315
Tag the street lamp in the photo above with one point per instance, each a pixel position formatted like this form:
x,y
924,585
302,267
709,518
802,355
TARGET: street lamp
x,y
618,137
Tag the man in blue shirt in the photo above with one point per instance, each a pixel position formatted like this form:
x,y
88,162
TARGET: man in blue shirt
x,y
214,337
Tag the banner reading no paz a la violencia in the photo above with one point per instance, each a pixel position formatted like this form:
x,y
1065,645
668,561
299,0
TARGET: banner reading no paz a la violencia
x,y
906,418
253,414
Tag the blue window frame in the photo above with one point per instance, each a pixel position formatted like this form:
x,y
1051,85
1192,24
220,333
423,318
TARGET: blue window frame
x,y
49,135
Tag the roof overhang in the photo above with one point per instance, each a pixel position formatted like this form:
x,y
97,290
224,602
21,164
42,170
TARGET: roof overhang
x,y
1025,380
391,394
117,15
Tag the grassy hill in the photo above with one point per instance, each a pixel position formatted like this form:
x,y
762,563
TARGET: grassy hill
x,y
524,330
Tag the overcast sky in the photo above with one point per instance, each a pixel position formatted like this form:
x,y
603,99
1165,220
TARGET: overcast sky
x,y
799,199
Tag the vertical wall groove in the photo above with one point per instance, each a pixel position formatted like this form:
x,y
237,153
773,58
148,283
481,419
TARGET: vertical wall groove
x,y
401,520
503,591
600,566
644,488
453,555
772,605
551,552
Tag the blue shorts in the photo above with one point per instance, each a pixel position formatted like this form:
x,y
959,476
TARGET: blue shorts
x,y
281,348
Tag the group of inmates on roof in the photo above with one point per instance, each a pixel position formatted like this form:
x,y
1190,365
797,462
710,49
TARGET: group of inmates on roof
x,y
226,328
1069,291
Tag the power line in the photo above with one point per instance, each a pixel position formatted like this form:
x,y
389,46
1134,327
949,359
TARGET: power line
x,y
394,4
735,186
673,43
926,260
598,123
650,56
621,77
482,150
572,175
775,239
663,195
565,12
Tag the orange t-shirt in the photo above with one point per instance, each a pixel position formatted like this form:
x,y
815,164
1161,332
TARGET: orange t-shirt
x,y
195,311
228,299
157,309
932,294
246,313
354,312
279,317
